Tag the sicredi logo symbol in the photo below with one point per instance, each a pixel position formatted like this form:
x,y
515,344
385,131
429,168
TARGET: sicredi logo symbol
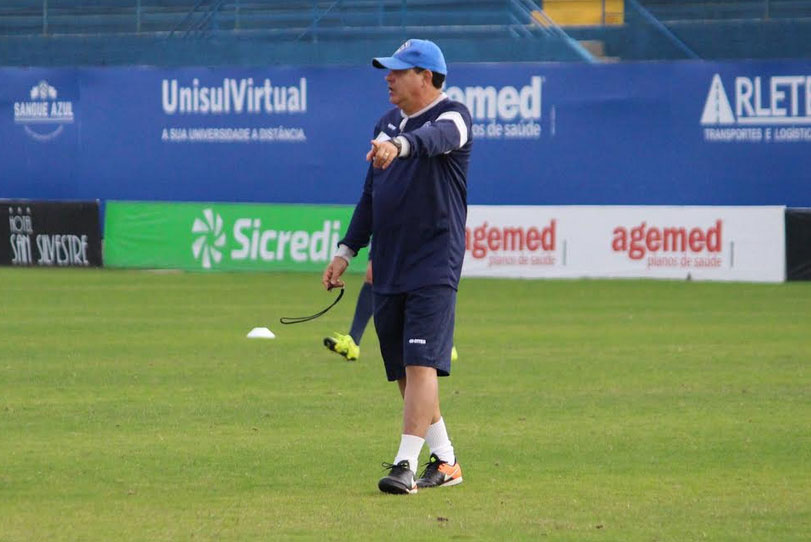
x,y
782,103
43,116
210,238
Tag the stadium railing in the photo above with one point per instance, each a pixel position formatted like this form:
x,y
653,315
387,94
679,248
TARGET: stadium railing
x,y
717,29
155,16
691,10
63,32
494,29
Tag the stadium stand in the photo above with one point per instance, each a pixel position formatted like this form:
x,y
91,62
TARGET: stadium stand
x,y
716,29
61,32
219,32
584,12
703,10
738,28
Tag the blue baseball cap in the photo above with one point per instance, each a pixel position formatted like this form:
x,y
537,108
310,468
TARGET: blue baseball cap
x,y
414,54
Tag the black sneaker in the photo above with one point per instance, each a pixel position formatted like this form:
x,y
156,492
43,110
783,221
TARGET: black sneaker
x,y
440,473
399,480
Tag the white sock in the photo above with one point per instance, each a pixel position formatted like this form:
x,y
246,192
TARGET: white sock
x,y
437,440
410,446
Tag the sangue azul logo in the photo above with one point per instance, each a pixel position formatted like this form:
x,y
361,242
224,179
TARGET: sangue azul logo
x,y
210,238
248,240
43,116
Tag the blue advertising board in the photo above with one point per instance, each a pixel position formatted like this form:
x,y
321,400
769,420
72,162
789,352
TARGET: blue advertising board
x,y
680,133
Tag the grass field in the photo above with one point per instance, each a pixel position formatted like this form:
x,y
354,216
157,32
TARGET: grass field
x,y
133,408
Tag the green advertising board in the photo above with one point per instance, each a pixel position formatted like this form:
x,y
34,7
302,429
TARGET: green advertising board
x,y
224,236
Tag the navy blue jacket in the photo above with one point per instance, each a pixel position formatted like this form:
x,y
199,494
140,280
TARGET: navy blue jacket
x,y
415,210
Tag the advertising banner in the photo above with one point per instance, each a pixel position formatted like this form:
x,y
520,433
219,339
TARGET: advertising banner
x,y
798,244
50,234
225,236
701,243
647,133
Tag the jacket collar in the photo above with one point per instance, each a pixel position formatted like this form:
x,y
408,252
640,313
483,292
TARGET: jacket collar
x,y
442,96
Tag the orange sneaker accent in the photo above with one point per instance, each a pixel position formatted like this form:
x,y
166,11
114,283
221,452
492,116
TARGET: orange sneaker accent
x,y
451,472
439,473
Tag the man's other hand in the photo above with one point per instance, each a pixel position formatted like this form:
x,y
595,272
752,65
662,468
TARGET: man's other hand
x,y
332,274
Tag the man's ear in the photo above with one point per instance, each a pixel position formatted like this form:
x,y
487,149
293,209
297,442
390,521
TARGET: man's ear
x,y
427,76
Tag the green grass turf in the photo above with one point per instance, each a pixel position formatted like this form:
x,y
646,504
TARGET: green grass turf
x,y
134,408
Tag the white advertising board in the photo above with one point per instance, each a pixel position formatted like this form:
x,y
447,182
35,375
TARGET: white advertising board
x,y
667,242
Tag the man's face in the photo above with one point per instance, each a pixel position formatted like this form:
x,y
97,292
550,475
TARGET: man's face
x,y
405,87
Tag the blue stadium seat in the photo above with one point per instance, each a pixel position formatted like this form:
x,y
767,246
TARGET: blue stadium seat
x,y
697,10
114,16
328,31
63,32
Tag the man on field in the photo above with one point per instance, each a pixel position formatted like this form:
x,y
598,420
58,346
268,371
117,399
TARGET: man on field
x,y
414,205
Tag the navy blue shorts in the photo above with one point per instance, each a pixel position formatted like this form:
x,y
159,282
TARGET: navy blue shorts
x,y
416,328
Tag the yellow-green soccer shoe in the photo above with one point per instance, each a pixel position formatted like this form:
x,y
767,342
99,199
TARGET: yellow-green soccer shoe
x,y
343,345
